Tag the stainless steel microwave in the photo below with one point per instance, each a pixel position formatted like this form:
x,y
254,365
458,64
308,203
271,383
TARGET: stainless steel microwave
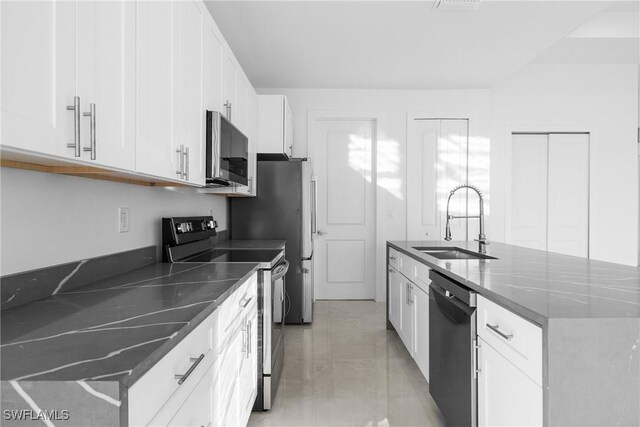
x,y
227,152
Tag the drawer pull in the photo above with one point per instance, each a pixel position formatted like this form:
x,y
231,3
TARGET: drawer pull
x,y
196,362
495,329
245,302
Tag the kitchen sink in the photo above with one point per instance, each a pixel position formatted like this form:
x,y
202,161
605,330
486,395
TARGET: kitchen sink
x,y
452,253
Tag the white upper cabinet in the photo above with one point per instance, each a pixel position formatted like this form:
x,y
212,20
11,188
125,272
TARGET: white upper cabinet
x,y
230,86
170,115
119,85
214,61
38,76
106,82
275,125
190,111
156,67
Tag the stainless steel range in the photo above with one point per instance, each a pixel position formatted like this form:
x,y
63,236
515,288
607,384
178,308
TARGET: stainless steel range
x,y
189,239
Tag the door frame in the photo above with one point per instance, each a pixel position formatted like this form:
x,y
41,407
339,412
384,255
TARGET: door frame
x,y
314,116
508,132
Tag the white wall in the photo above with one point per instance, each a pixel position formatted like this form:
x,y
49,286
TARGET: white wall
x,y
48,219
600,99
390,108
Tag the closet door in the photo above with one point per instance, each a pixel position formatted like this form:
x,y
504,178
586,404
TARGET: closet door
x,y
568,196
529,191
436,163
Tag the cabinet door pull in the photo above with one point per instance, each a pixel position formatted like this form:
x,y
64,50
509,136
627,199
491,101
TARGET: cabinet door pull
x,y
180,152
495,328
245,302
196,362
92,129
185,175
249,327
76,125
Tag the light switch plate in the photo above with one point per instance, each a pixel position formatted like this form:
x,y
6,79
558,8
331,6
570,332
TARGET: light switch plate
x,y
123,220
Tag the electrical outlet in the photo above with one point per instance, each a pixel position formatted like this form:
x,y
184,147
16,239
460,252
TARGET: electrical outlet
x,y
123,220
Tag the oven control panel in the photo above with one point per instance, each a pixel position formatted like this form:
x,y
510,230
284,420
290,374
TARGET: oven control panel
x,y
195,226
177,231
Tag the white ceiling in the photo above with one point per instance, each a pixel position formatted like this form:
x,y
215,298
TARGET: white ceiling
x,y
409,45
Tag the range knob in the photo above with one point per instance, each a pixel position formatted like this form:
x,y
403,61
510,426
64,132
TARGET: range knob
x,y
183,227
210,225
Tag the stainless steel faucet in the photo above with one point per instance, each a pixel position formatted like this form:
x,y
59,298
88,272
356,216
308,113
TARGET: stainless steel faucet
x,y
482,239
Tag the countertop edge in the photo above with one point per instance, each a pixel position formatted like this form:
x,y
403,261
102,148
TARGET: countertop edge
x,y
518,309
143,367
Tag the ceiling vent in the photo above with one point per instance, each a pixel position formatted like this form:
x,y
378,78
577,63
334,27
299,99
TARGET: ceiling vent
x,y
456,4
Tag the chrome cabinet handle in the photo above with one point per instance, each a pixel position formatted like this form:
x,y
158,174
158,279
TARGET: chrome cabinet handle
x,y
196,362
246,302
249,327
245,346
185,153
92,126
227,106
495,328
76,125
180,160
250,185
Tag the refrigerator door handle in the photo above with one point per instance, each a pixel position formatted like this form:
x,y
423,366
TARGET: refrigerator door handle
x,y
314,205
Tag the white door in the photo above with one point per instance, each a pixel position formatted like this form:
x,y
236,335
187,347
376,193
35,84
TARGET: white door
x,y
38,75
421,330
568,229
106,78
506,396
529,191
437,153
156,87
345,257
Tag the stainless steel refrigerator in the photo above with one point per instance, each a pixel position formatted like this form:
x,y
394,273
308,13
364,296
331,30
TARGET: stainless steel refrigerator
x,y
283,209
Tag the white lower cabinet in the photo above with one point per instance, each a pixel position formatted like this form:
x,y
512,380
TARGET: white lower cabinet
x,y
506,396
395,298
208,379
510,368
421,330
407,314
196,410
409,309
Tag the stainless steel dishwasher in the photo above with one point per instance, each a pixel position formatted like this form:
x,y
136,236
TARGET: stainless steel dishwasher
x,y
452,352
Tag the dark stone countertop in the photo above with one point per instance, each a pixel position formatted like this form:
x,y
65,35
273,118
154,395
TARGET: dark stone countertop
x,y
114,329
251,244
540,285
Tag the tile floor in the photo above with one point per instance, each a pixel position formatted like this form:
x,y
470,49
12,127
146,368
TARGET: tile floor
x,y
347,369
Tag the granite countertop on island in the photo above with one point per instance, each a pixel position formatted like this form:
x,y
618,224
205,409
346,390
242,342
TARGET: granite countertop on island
x,y
539,285
114,329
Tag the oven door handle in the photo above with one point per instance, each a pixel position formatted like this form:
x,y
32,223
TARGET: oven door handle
x,y
280,271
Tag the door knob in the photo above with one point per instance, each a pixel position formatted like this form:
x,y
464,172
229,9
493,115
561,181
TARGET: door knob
x,y
322,233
